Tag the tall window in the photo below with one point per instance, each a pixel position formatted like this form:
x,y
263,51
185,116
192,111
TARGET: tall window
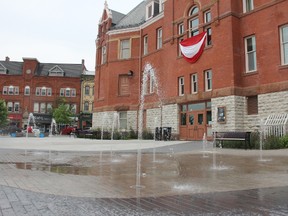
x,y
36,108
16,106
250,54
73,108
207,20
42,107
193,22
5,90
125,49
43,91
151,83
123,120
123,86
181,86
49,92
87,90
49,107
145,43
27,90
284,44
181,29
248,5
159,38
208,80
194,84
149,11
86,106
10,106
103,55
252,105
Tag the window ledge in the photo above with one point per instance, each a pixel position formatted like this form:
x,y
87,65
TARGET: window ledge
x,y
283,67
250,73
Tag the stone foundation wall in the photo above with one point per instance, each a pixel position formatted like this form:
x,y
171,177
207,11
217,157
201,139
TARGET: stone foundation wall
x,y
237,118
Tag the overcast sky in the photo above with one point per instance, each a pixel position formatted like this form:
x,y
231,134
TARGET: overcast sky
x,y
54,31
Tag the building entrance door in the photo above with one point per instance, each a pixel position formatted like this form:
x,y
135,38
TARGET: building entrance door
x,y
195,120
196,126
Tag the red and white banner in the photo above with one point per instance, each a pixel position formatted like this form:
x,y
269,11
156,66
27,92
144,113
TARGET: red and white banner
x,y
193,47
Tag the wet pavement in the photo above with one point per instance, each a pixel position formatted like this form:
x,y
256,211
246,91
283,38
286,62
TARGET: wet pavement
x,y
67,176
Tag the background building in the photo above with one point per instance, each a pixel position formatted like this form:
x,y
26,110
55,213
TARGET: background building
x,y
34,87
87,99
240,78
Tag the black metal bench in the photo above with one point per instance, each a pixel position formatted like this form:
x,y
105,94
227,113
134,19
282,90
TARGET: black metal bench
x,y
234,136
163,133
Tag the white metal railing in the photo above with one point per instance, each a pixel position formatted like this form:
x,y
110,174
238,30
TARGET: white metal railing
x,y
276,124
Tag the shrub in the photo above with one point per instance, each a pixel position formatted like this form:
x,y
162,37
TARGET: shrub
x,y
284,141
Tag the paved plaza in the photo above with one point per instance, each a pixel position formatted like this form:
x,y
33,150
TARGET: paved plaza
x,y
71,176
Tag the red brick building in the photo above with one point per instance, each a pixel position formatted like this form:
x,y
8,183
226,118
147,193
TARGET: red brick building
x,y
240,78
34,87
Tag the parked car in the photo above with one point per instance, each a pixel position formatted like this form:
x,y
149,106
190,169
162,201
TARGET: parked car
x,y
67,130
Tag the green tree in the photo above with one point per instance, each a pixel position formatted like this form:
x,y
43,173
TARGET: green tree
x,y
62,114
3,113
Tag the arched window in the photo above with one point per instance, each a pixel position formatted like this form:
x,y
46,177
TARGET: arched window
x,y
193,21
194,10
27,90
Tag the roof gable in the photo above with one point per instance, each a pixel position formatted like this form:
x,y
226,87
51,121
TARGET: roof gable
x,y
56,71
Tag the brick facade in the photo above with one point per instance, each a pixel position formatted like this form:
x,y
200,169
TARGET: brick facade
x,y
34,75
233,81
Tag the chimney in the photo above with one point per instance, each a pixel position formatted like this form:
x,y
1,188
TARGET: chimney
x,y
7,59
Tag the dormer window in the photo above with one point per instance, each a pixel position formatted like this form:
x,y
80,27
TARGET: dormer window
x,y
152,9
149,11
56,71
3,70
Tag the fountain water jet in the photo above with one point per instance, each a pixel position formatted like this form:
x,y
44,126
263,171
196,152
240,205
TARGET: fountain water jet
x,y
31,119
115,123
53,128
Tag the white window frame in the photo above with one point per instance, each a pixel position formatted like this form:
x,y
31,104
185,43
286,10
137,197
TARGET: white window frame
x,y
36,107
43,91
67,92
284,45
10,106
27,90
11,90
181,28
16,107
42,107
159,38
38,91
149,10
181,86
248,5
208,80
16,90
103,54
62,92
193,29
49,91
49,107
145,45
5,90
194,83
125,49
250,53
207,16
73,92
